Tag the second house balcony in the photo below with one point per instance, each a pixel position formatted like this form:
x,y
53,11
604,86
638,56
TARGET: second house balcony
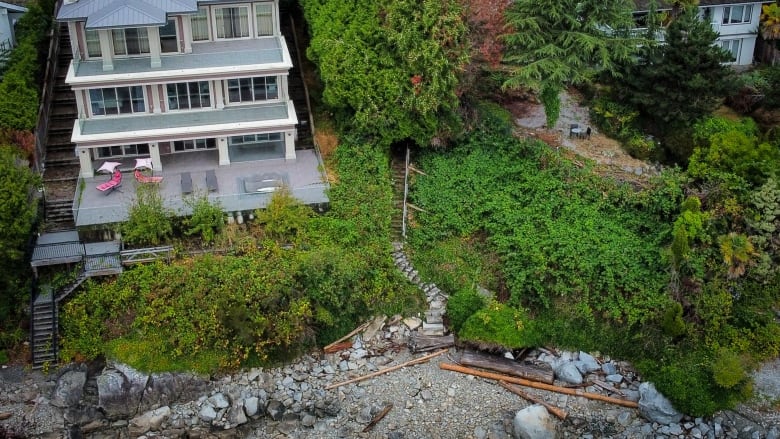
x,y
212,59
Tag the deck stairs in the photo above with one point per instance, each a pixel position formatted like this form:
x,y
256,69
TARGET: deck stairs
x,y
61,166
398,175
296,43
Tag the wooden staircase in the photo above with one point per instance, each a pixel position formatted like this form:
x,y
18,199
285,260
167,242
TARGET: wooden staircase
x,y
297,41
398,174
61,166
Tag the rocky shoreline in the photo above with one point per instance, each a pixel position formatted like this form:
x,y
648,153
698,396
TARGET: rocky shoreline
x,y
114,401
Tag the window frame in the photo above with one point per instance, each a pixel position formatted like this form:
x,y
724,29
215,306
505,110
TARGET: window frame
x,y
209,31
255,8
123,149
195,145
175,36
96,33
730,49
254,139
133,101
124,40
747,14
252,87
189,96
249,18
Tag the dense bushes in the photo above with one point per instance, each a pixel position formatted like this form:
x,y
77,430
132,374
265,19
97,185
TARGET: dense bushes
x,y
293,279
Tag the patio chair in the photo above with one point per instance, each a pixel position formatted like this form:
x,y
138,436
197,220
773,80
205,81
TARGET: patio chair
x,y
141,178
574,130
112,184
186,183
211,180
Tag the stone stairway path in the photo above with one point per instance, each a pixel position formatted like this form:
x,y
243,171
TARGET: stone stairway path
x,y
433,324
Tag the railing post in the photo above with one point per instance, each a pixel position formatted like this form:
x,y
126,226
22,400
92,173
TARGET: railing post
x,y
406,193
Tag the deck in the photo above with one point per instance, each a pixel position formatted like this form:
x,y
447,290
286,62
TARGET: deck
x,y
302,176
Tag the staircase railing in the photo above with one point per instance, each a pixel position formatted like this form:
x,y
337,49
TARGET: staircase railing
x,y
406,193
47,96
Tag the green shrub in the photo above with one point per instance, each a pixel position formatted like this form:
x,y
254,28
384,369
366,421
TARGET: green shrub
x,y
639,146
612,118
673,324
496,324
4,357
207,219
285,218
149,221
727,370
461,306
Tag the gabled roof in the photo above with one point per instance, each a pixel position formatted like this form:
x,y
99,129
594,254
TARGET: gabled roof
x,y
12,7
124,13
644,5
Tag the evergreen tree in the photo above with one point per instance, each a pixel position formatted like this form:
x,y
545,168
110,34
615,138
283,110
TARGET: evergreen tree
x,y
676,83
555,43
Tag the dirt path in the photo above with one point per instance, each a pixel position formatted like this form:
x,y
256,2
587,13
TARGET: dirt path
x,y
606,152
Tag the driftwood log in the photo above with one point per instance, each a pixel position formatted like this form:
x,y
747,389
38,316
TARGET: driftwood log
x,y
551,408
504,365
330,348
420,360
535,385
425,343
378,417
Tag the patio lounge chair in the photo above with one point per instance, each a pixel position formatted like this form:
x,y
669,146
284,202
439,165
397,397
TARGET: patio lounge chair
x,y
211,181
145,179
110,185
186,183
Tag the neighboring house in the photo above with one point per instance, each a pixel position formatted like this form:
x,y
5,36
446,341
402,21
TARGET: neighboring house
x,y
735,21
9,14
198,86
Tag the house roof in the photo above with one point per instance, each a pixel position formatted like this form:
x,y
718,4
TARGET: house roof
x,y
124,13
644,5
12,7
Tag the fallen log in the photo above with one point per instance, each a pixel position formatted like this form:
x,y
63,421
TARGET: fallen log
x,y
331,348
551,408
608,387
378,417
355,331
507,366
536,385
5,415
422,359
425,343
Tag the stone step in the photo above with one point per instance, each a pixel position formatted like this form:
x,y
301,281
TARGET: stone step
x,y
433,329
433,316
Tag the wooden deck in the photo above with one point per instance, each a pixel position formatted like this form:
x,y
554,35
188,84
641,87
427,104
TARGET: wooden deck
x,y
303,176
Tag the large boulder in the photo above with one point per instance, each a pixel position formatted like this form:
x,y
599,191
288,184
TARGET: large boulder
x,y
568,372
587,363
534,422
169,388
655,407
151,420
70,387
120,389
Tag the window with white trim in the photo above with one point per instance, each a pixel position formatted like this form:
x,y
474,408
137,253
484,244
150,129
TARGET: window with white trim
x,y
123,150
231,22
169,40
92,38
188,95
737,14
194,144
130,41
200,25
255,138
261,88
264,16
117,100
732,46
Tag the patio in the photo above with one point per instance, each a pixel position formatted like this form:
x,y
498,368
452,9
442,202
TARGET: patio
x,y
303,177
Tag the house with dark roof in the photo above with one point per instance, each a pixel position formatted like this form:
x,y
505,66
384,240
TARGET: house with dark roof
x,y
198,88
735,21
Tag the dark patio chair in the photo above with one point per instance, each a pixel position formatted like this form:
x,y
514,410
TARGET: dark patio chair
x,y
186,183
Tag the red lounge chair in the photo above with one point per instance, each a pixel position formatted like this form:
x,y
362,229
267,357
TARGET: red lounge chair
x,y
144,179
112,184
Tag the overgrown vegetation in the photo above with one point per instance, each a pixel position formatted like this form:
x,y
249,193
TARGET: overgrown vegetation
x,y
678,285
292,280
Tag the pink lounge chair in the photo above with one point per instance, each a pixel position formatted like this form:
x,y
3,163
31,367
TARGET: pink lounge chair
x,y
144,179
110,185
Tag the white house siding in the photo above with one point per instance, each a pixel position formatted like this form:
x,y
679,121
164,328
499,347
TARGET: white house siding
x,y
746,33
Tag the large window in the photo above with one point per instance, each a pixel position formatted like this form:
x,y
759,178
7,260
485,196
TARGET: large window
x,y
264,13
200,25
737,14
232,22
130,41
123,150
93,43
192,145
252,89
188,95
255,138
169,41
732,46
119,100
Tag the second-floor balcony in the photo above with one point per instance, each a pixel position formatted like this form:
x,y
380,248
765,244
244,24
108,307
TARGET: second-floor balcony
x,y
212,59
